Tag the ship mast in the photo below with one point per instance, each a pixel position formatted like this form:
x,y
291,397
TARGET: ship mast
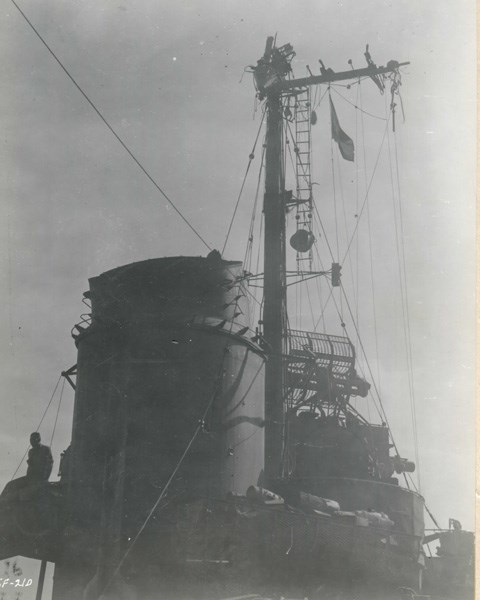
x,y
272,84
274,312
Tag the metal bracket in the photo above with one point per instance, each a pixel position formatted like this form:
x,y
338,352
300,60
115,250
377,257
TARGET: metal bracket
x,y
68,373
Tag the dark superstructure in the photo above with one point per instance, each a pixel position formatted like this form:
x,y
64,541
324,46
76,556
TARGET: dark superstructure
x,y
161,361
214,457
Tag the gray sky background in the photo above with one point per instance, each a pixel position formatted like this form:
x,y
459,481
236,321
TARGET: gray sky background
x,y
167,77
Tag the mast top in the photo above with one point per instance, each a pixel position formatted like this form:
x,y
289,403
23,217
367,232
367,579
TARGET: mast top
x,y
272,71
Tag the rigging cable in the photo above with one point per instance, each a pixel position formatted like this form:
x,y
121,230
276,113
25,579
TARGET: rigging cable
x,y
316,248
58,411
317,215
344,212
310,302
320,298
313,183
357,240
315,94
258,260
358,107
321,98
334,190
381,414
249,249
370,370
370,245
323,230
345,220
198,428
244,286
434,520
432,517
330,295
313,203
38,426
400,247
298,289
251,156
122,143
174,472
366,197
350,85
334,197
112,130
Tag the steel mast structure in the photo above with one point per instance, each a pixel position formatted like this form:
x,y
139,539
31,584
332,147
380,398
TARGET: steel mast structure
x,y
274,83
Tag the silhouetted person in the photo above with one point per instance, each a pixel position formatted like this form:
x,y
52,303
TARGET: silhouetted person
x,y
40,459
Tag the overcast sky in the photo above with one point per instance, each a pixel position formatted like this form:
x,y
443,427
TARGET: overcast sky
x,y
167,75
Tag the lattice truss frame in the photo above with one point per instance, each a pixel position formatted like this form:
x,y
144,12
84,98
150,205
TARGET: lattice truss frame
x,y
320,369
